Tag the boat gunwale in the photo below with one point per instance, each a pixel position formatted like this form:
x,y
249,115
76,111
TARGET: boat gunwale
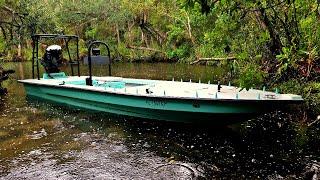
x,y
262,101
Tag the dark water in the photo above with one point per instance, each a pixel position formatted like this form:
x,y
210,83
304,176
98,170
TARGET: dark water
x,y
42,141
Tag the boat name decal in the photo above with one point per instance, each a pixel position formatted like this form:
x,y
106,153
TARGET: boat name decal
x,y
156,102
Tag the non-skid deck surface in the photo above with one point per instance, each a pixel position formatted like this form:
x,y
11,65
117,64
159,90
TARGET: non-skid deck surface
x,y
158,88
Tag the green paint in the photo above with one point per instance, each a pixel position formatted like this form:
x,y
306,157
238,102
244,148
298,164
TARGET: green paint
x,y
142,106
59,75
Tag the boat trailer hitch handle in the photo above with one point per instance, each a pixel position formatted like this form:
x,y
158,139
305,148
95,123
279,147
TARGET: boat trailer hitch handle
x,y
89,79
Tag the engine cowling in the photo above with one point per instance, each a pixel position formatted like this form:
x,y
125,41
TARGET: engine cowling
x,y
52,59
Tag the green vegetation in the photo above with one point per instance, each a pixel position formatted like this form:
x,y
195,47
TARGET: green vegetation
x,y
273,41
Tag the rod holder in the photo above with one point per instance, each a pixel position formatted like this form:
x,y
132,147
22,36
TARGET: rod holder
x,y
219,86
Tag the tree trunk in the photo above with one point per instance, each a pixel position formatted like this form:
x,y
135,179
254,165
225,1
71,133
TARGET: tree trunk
x,y
142,37
19,44
189,29
3,33
19,50
276,45
118,33
129,31
21,71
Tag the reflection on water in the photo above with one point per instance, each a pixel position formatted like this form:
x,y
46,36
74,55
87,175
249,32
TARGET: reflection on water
x,y
42,141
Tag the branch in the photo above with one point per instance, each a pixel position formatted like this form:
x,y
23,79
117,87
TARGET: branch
x,y
285,24
143,48
189,29
295,19
213,59
153,31
254,10
3,33
12,11
8,9
9,23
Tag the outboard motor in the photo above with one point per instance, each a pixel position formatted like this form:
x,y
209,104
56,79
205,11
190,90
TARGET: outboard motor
x,y
52,59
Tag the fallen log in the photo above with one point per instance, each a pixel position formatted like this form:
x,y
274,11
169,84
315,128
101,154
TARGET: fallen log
x,y
143,48
212,59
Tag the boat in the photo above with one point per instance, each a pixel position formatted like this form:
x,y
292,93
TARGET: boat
x,y
178,101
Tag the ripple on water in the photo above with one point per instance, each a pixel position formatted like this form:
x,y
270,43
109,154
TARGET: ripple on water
x,y
38,135
104,161
172,171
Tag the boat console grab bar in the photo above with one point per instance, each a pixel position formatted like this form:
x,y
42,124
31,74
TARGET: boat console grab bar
x,y
89,79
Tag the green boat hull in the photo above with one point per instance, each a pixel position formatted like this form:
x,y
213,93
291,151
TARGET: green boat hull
x,y
159,108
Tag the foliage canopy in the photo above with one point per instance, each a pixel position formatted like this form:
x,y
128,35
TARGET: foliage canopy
x,y
276,39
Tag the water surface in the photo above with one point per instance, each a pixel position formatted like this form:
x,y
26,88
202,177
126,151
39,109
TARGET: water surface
x,y
43,141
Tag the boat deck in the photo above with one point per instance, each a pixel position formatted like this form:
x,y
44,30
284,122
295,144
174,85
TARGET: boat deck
x,y
160,88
